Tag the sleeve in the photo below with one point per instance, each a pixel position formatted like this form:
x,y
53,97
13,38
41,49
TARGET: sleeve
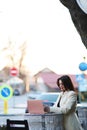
x,y
68,106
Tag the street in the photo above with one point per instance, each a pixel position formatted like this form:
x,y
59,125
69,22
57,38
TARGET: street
x,y
16,104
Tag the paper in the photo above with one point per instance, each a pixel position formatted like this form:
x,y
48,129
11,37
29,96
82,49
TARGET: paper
x,y
35,106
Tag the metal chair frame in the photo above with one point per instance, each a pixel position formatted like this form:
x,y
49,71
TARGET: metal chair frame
x,y
17,125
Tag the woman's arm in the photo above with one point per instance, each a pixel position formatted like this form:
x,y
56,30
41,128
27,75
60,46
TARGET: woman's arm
x,y
68,106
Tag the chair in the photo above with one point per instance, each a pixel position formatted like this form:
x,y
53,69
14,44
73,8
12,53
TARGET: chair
x,y
17,125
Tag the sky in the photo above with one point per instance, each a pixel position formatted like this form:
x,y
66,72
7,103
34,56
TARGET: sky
x,y
46,25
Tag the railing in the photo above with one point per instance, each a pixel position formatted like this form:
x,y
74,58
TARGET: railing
x,y
48,121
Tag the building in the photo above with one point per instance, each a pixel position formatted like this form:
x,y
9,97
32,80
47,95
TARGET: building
x,y
47,78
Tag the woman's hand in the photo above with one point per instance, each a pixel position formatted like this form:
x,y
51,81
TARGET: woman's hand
x,y
46,109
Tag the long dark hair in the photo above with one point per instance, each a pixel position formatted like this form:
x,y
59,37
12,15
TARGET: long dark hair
x,y
67,82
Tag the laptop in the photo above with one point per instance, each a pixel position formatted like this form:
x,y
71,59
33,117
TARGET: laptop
x,y
35,107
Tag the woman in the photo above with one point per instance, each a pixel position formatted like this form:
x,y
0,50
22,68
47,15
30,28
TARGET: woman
x,y
66,104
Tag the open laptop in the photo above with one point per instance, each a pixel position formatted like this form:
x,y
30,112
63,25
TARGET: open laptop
x,y
35,107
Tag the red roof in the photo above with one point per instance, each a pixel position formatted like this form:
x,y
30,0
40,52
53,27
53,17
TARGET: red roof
x,y
49,77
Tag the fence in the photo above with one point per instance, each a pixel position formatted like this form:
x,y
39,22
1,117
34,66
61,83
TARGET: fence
x,y
82,114
49,121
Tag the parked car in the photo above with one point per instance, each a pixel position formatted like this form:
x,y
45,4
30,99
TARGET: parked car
x,y
34,95
48,98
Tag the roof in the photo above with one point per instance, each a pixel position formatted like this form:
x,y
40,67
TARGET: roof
x,y
49,77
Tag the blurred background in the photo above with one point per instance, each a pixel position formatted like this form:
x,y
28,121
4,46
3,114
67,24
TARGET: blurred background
x,y
38,43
